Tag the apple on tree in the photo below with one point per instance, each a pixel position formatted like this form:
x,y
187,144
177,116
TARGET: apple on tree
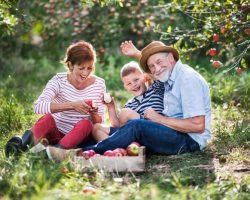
x,y
223,29
212,52
247,31
216,64
238,70
216,38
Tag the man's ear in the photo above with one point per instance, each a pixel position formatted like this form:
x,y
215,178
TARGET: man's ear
x,y
171,58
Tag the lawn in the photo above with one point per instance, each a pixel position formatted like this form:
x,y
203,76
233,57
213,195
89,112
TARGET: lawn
x,y
221,171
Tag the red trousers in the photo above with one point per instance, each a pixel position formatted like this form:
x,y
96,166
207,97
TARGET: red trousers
x,y
45,127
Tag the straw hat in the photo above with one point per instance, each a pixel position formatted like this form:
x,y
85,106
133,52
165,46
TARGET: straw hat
x,y
155,47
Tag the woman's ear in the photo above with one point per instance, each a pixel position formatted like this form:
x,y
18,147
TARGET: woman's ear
x,y
70,66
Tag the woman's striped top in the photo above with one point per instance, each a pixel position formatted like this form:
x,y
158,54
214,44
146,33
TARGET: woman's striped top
x,y
60,90
153,97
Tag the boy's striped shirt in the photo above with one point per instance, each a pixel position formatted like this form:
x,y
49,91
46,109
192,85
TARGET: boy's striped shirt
x,y
153,97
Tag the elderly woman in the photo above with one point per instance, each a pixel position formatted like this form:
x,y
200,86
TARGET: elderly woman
x,y
66,104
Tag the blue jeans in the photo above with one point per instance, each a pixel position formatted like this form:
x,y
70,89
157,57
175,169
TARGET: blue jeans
x,y
155,137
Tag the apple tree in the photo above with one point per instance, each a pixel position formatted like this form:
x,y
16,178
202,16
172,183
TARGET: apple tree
x,y
219,30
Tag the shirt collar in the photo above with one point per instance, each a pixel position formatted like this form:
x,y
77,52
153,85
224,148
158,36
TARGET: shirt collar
x,y
176,70
169,83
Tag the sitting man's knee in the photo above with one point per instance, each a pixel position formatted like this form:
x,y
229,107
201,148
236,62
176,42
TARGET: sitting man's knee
x,y
137,122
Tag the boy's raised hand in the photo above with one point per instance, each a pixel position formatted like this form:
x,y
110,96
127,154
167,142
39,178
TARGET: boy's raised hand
x,y
128,49
105,99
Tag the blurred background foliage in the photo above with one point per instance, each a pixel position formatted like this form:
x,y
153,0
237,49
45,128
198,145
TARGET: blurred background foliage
x,y
35,34
212,36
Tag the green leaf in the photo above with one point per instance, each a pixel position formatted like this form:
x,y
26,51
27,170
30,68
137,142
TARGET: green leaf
x,y
243,63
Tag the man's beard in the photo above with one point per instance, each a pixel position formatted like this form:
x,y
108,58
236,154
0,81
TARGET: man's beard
x,y
164,76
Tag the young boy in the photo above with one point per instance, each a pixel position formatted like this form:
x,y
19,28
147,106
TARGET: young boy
x,y
135,82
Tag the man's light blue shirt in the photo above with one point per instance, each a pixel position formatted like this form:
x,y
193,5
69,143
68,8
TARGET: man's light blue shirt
x,y
187,95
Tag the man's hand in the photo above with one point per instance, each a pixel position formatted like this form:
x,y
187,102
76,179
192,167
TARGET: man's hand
x,y
151,115
128,49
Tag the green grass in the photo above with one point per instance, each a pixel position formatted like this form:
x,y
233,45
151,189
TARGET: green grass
x,y
200,175
219,172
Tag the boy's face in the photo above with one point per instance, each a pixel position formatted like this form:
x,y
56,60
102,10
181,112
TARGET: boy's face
x,y
134,83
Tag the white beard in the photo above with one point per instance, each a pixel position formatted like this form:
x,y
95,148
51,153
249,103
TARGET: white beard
x,y
164,76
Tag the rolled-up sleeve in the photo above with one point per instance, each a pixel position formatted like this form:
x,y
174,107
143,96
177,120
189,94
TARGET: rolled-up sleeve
x,y
42,104
192,95
101,107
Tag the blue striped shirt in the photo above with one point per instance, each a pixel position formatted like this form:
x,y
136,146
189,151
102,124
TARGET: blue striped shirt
x,y
153,97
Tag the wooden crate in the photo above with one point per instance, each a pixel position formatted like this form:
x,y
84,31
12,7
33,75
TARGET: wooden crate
x,y
112,164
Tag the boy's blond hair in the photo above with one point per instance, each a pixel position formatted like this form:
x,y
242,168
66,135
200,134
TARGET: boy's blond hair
x,y
129,68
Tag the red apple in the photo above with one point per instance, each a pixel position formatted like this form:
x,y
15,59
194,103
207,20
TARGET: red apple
x,y
89,102
92,152
88,154
247,31
120,152
89,190
172,18
109,153
212,52
223,29
216,64
244,7
133,149
136,143
64,170
216,38
238,70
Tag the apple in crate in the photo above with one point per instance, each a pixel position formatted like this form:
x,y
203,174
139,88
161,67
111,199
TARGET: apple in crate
x,y
109,153
133,149
88,154
122,151
91,152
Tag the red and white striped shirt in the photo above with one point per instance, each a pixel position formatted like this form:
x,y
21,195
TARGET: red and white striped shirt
x,y
60,90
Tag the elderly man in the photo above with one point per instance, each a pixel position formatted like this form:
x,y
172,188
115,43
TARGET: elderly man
x,y
185,123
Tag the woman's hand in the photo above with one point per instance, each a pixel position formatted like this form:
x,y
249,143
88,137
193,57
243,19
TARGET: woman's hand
x,y
81,107
96,118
